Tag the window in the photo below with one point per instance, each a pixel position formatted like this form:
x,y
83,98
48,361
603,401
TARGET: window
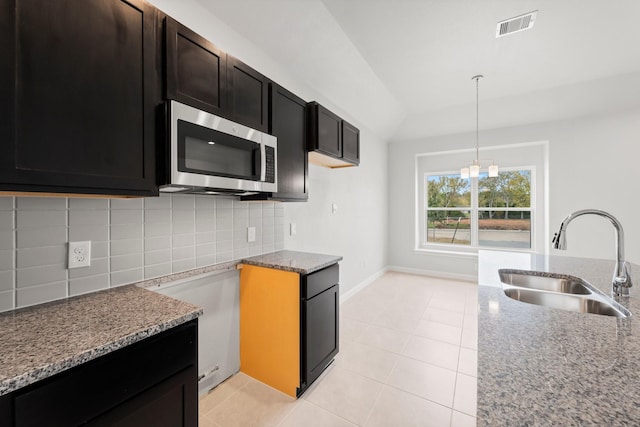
x,y
480,212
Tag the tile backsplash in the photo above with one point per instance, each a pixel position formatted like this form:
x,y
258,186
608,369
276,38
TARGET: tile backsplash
x,y
131,240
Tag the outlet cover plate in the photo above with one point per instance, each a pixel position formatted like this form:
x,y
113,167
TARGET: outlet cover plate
x,y
79,254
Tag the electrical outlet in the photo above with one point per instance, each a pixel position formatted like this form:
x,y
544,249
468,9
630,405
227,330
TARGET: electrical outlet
x,y
251,234
334,208
79,254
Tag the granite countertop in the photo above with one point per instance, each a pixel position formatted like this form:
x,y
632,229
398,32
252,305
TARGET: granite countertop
x,y
539,366
296,262
40,341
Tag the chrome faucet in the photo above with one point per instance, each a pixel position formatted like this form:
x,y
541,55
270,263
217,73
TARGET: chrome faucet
x,y
621,278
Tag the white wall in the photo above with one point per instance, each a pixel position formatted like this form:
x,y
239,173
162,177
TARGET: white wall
x,y
592,164
358,231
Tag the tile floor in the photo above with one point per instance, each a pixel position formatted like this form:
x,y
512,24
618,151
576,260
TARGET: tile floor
x,y
408,357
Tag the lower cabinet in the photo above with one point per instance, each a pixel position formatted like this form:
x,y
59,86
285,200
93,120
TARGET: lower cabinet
x,y
288,325
152,382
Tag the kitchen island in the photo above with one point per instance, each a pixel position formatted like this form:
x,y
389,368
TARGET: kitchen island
x,y
540,366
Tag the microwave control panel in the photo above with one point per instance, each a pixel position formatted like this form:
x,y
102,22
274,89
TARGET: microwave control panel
x,y
270,174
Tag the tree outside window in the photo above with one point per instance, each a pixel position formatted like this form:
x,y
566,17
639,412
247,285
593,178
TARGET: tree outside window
x,y
482,212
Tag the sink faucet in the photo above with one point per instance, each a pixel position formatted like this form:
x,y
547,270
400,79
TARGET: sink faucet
x,y
621,278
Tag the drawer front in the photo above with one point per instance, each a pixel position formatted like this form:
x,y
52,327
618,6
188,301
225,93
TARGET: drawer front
x,y
315,283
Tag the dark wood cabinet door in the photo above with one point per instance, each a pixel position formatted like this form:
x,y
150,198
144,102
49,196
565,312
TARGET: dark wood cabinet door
x,y
195,69
248,92
288,124
79,84
350,143
321,331
325,131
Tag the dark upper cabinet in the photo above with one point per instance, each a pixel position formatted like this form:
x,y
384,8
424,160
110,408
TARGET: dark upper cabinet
x,y
331,141
287,122
350,143
248,93
196,70
199,74
79,85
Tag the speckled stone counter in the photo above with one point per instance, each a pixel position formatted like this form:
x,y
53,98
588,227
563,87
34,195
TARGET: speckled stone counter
x,y
296,262
40,341
539,366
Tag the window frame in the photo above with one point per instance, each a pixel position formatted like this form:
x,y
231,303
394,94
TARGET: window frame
x,y
421,231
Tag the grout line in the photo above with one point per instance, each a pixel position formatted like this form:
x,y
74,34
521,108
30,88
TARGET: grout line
x,y
14,209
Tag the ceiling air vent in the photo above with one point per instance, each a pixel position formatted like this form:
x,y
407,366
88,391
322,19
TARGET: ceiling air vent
x,y
513,25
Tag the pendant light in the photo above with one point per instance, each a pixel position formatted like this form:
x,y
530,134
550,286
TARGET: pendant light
x,y
473,170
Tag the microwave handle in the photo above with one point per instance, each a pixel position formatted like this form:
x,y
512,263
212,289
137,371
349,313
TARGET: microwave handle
x,y
263,163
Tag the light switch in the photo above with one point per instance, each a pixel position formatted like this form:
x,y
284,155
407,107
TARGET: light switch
x,y
334,208
251,234
293,229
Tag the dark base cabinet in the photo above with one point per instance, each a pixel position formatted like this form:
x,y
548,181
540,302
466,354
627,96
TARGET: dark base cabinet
x,y
149,383
320,320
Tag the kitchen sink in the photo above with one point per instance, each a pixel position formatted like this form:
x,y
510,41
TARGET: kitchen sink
x,y
577,303
558,291
550,282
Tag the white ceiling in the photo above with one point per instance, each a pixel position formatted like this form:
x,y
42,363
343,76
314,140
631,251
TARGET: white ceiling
x,y
403,68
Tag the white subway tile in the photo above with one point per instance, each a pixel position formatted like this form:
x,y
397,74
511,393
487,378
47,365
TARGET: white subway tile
x,y
255,250
7,220
205,203
126,217
88,217
130,204
224,256
268,247
183,201
126,262
76,204
180,215
157,216
237,204
161,202
183,240
6,203
183,227
41,275
158,257
39,236
6,300
157,243
45,255
31,219
206,249
179,254
125,247
279,246
98,266
208,237
88,284
224,223
205,223
39,294
183,265
126,231
6,259
225,235
224,202
6,280
155,230
88,232
205,260
99,249
6,240
127,276
41,203
224,246
151,271
239,253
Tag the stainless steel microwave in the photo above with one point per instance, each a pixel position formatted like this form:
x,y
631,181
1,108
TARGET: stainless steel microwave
x,y
208,154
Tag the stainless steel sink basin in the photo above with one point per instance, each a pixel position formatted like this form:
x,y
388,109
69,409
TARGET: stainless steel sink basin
x,y
569,302
550,282
558,291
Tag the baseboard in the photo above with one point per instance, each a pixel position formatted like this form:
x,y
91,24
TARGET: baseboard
x,y
360,286
434,273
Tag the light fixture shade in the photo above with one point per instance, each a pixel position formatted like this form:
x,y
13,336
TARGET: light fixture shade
x,y
493,170
474,170
464,173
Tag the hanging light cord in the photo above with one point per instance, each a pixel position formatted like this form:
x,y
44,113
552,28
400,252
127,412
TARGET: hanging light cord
x,y
476,78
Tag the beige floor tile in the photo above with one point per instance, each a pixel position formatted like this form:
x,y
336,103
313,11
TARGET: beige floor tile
x,y
309,415
462,420
397,320
434,352
468,362
255,405
384,338
368,361
204,421
349,395
451,318
447,302
360,310
350,329
223,391
425,380
398,408
469,339
470,322
466,394
439,331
